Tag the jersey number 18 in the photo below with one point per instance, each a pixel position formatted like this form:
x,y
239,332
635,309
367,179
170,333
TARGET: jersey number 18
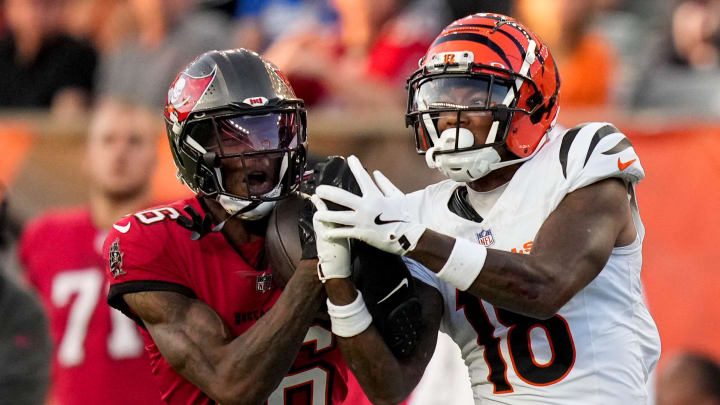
x,y
519,327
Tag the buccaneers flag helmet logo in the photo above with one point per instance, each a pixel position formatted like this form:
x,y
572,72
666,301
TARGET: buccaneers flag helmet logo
x,y
116,259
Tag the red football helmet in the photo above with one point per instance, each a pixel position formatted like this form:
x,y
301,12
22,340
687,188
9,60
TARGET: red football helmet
x,y
490,67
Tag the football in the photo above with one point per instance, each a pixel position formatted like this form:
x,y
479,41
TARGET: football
x,y
282,239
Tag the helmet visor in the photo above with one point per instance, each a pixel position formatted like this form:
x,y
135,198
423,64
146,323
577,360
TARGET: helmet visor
x,y
459,92
456,101
251,133
250,156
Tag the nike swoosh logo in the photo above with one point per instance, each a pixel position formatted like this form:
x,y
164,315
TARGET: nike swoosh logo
x,y
404,282
622,166
122,229
379,221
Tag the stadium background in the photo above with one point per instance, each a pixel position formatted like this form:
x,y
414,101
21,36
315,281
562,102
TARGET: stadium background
x,y
638,77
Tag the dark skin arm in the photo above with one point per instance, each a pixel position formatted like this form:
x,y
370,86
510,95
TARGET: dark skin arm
x,y
385,378
569,251
231,369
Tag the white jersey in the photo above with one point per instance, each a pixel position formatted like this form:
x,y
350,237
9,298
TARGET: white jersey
x,y
602,344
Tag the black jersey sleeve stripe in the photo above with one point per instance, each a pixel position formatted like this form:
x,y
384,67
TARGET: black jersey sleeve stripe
x,y
464,36
621,146
599,134
567,141
116,292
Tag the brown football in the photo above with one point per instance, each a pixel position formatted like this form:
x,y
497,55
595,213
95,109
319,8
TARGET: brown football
x,y
282,244
282,239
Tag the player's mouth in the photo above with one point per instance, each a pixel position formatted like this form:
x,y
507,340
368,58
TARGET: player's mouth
x,y
258,182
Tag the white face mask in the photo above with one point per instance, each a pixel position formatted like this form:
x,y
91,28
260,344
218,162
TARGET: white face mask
x,y
467,166
462,166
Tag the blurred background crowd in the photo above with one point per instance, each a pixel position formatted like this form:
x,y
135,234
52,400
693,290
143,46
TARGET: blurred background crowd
x,y
76,70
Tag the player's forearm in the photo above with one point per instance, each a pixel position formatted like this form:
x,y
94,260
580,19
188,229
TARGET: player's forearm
x,y
432,250
519,283
379,373
267,350
383,377
516,282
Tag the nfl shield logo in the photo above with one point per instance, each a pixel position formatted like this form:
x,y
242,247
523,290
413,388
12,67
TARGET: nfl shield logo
x,y
486,238
263,283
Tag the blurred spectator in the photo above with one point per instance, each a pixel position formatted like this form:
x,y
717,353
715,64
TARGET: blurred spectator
x,y
4,229
91,20
24,341
696,34
40,66
461,8
24,346
226,7
689,379
684,75
586,59
361,62
98,356
262,22
167,36
628,25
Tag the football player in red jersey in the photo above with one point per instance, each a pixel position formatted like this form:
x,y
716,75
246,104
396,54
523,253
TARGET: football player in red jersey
x,y
216,328
98,354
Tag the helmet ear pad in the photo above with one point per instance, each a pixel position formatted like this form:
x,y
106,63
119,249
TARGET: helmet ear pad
x,y
522,139
205,179
534,101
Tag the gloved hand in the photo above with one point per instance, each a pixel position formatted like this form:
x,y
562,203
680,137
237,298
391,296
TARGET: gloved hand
x,y
333,255
378,218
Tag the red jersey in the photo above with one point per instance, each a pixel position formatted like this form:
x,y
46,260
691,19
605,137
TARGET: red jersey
x,y
149,251
98,355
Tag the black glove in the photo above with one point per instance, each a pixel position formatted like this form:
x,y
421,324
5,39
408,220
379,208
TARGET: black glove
x,y
307,233
386,284
333,171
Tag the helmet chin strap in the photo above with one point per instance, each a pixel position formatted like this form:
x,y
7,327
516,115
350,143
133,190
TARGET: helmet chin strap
x,y
465,166
461,166
203,225
247,210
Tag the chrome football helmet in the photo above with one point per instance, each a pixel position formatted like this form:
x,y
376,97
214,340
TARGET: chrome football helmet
x,y
237,131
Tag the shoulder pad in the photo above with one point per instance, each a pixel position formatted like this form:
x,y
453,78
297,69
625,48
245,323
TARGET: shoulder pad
x,y
144,234
594,151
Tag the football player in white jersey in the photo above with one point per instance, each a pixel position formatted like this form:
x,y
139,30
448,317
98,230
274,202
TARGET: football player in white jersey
x,y
529,255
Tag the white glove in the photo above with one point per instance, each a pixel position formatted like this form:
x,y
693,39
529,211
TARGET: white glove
x,y
333,255
377,218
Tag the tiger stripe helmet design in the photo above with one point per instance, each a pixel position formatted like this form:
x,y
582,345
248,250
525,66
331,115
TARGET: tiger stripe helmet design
x,y
512,66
